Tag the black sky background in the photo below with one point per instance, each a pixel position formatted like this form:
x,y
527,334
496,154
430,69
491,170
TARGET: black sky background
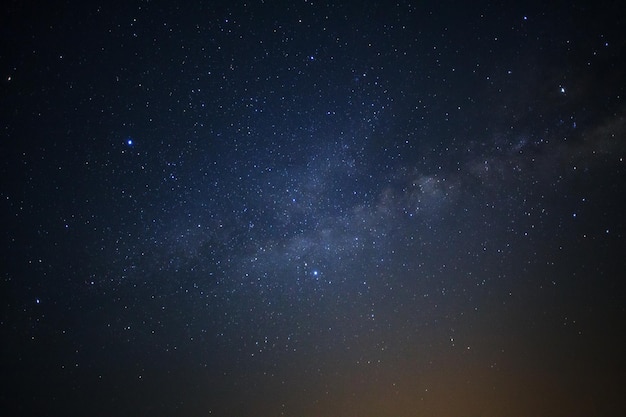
x,y
305,209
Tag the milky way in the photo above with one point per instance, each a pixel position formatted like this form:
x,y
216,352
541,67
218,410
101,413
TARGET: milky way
x,y
309,209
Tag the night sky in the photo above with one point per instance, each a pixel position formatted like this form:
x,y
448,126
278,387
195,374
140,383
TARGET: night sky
x,y
313,209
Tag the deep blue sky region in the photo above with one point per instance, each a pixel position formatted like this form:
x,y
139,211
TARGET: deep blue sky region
x,y
313,208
